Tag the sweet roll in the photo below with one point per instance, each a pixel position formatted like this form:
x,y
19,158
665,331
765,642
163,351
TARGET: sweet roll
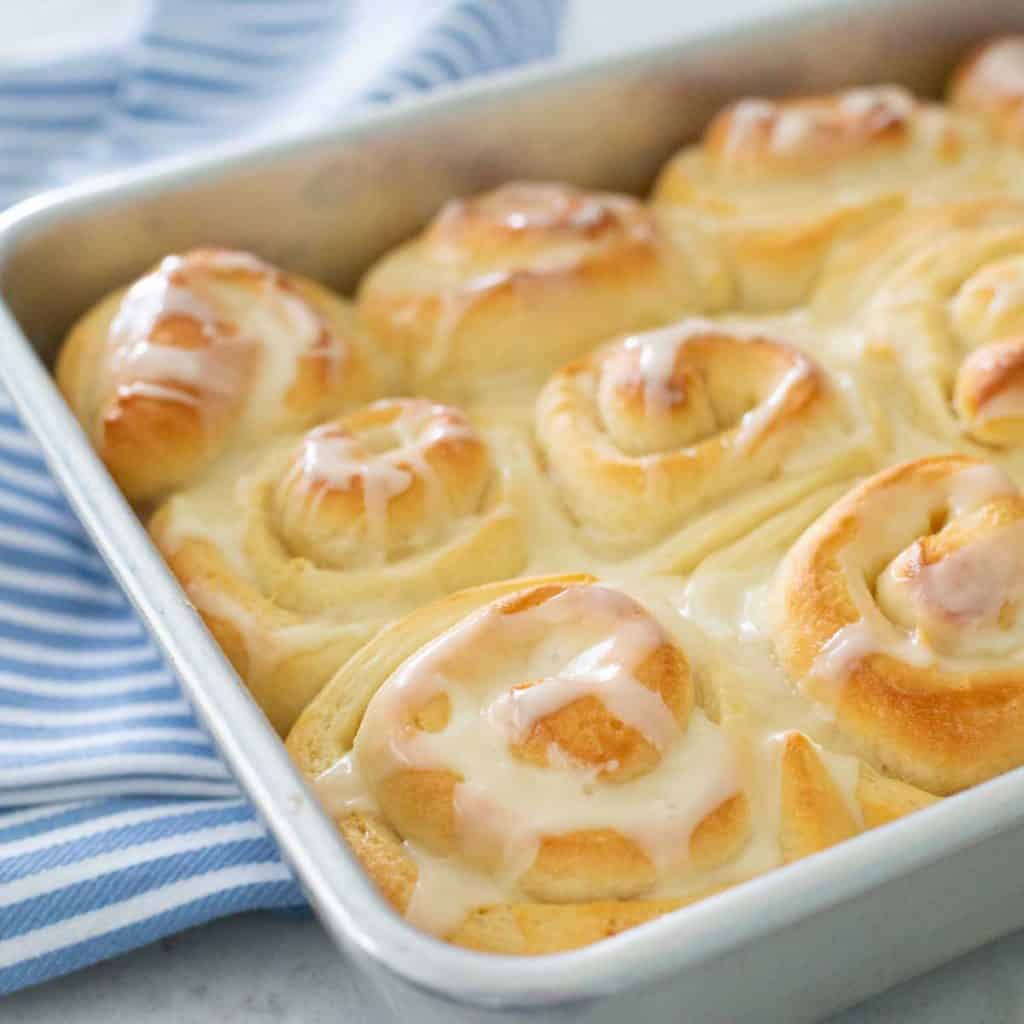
x,y
514,282
300,554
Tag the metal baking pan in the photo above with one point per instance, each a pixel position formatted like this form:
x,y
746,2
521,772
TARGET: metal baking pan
x,y
792,945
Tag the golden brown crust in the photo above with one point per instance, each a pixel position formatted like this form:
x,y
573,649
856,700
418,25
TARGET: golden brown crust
x,y
580,883
814,814
327,539
936,725
581,864
648,433
938,293
533,929
572,866
164,375
989,384
521,279
785,180
809,134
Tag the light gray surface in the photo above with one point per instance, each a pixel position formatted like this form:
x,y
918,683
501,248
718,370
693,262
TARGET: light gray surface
x,y
262,967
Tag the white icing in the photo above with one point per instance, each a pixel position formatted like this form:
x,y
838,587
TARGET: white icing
x,y
658,351
603,671
278,320
886,99
586,640
158,296
749,119
332,458
790,130
925,633
548,208
970,585
1002,66
729,600
446,891
977,485
759,419
957,603
341,789
854,642
339,461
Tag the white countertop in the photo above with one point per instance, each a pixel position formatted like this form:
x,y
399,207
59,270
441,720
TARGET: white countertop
x,y
283,969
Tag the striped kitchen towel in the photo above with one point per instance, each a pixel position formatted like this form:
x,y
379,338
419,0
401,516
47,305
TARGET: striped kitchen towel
x,y
119,824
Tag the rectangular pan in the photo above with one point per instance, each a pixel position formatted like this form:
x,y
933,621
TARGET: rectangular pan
x,y
791,946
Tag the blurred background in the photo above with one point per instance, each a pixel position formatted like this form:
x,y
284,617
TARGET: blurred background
x,y
30,29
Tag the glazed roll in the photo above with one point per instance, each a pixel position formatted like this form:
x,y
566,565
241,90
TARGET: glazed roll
x,y
990,84
212,350
783,180
297,555
530,766
652,432
899,615
942,291
514,282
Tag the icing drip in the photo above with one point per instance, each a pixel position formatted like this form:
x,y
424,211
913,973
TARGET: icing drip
x,y
969,586
975,486
855,641
544,233
658,352
759,420
547,208
383,462
797,131
602,671
445,891
195,287
164,371
583,641
338,462
923,614
341,789
667,385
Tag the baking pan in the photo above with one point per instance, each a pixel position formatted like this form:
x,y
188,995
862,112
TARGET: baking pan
x,y
790,946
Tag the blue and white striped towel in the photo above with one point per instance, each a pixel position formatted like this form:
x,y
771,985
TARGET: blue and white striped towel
x,y
118,822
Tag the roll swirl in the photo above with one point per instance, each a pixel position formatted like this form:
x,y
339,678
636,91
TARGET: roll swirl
x,y
942,291
296,559
899,613
653,430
